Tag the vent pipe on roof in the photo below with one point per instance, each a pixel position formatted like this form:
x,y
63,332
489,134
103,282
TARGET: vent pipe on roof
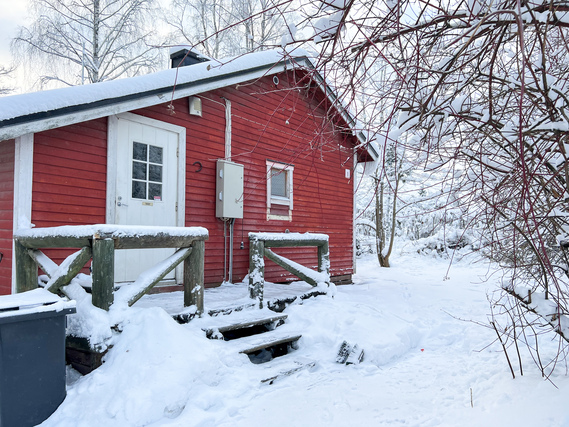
x,y
182,56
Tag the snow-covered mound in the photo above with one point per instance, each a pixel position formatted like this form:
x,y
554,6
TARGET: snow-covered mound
x,y
423,366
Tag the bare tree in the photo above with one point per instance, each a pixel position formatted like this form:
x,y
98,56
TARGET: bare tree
x,y
200,23
75,41
5,73
479,89
480,86
385,193
228,27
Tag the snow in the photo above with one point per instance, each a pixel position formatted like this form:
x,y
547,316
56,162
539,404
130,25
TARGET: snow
x,y
423,365
30,103
110,231
289,236
33,298
34,301
89,322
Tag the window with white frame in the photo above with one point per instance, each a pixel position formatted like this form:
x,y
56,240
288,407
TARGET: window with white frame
x,y
279,190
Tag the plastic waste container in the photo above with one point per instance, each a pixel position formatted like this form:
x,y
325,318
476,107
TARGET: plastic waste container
x,y
32,356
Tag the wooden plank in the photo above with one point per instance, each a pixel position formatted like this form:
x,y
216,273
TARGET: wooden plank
x,y
53,242
282,262
43,261
269,341
135,241
148,279
103,274
255,322
285,373
194,277
160,240
68,269
276,243
26,269
244,324
356,356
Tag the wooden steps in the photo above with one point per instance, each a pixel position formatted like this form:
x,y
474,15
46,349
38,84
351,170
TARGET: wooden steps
x,y
256,334
284,367
257,343
235,327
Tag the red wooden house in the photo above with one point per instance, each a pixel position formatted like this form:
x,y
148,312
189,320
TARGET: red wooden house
x,y
144,151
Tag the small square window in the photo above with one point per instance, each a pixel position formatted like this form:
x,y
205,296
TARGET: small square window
x,y
279,190
278,182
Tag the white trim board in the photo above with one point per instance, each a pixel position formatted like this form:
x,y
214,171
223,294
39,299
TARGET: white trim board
x,y
23,181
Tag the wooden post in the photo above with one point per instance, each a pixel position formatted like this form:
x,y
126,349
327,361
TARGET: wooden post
x,y
256,270
194,277
324,258
103,272
26,269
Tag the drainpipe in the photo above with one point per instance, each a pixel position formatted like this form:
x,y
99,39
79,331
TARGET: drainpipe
x,y
232,220
227,129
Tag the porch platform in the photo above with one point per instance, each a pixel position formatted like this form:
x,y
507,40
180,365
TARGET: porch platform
x,y
230,297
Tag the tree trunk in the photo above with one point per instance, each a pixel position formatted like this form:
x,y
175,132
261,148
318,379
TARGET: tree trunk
x,y
96,60
380,231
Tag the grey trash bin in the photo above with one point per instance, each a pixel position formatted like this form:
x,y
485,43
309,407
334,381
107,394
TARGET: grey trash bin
x,y
32,356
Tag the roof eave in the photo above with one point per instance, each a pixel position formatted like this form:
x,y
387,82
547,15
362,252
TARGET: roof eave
x,y
37,122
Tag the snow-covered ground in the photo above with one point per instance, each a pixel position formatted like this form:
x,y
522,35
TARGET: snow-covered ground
x,y
422,366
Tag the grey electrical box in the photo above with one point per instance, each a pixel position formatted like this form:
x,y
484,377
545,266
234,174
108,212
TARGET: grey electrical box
x,y
229,190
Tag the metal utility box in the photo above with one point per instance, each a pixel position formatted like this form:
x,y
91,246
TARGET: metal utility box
x,y
229,190
32,356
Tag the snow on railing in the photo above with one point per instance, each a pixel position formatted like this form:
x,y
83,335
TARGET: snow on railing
x,y
258,249
99,243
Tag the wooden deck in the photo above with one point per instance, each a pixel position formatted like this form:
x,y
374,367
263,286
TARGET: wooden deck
x,y
229,297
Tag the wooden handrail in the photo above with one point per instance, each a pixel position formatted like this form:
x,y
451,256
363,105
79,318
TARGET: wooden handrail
x,y
99,243
258,250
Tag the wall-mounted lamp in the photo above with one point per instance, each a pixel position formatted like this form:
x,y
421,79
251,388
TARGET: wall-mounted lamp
x,y
195,106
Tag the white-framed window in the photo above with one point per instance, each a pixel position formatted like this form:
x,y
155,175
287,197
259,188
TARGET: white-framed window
x,y
279,190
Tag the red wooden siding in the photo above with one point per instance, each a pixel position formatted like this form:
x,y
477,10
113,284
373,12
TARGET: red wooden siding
x,y
6,213
69,180
280,123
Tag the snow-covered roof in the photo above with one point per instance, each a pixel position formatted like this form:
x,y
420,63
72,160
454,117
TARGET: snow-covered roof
x,y
39,111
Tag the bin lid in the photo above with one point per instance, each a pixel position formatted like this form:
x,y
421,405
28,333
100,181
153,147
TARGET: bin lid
x,y
34,301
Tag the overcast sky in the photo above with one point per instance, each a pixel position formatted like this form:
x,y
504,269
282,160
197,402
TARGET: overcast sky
x,y
13,13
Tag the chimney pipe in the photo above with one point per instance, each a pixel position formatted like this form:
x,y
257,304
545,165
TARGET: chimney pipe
x,y
182,56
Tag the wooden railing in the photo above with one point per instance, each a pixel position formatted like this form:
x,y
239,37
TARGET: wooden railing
x,y
99,243
258,249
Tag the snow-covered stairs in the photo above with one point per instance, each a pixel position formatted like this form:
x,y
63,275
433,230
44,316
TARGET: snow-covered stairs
x,y
243,324
257,334
265,347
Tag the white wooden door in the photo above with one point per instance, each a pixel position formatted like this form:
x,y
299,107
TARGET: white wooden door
x,y
146,190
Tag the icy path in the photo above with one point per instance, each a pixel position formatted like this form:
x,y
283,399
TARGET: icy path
x,y
420,367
